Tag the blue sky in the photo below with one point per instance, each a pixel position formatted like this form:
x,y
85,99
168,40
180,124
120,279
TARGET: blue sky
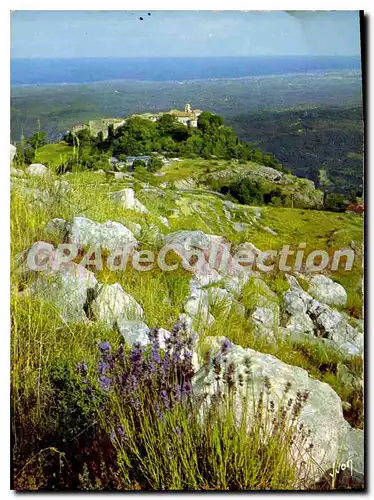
x,y
64,34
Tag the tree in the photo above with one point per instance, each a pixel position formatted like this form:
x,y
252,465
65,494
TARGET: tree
x,y
155,164
37,140
138,164
208,121
166,124
335,203
111,131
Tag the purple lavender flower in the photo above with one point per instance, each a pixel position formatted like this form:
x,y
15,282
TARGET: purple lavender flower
x,y
187,355
121,430
191,341
176,356
155,355
186,390
165,399
177,392
104,346
177,327
159,413
226,345
102,367
82,368
136,354
166,363
136,404
178,431
105,383
121,353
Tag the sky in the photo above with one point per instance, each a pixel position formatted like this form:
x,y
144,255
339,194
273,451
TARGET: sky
x,y
67,34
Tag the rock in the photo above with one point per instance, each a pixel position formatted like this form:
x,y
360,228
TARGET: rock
x,y
37,169
133,332
17,172
112,303
265,323
257,213
134,227
164,220
348,339
40,256
35,196
247,247
241,227
325,290
321,414
113,160
296,301
68,289
235,284
328,320
269,230
197,306
220,298
238,308
60,187
126,197
329,325
162,337
189,240
187,323
213,344
292,281
263,316
109,236
206,276
13,151
300,323
121,175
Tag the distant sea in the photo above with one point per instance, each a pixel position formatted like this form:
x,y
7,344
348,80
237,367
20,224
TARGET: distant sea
x,y
65,71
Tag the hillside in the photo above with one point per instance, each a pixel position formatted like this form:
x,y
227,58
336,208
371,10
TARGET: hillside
x,y
298,332
269,111
324,144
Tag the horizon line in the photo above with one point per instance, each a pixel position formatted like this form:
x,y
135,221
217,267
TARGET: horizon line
x,y
185,57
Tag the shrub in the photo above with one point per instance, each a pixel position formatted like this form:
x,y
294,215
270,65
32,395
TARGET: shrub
x,y
163,441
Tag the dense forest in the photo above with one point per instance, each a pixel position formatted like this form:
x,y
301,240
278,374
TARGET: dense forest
x,y
323,144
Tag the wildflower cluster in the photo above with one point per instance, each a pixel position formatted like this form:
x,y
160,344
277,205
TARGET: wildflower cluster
x,y
155,377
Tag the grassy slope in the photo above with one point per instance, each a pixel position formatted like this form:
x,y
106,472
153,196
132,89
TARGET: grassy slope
x,y
41,343
54,153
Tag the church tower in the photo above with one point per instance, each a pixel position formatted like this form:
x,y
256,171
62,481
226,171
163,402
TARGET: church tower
x,y
187,108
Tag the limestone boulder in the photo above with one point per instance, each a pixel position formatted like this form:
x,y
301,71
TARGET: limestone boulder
x,y
126,198
37,170
325,290
68,289
108,236
321,414
113,304
13,151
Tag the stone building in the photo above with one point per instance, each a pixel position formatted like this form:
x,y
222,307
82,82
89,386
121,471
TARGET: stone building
x,y
188,117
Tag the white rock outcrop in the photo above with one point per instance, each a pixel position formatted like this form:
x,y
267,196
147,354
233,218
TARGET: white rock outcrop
x,y
38,170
